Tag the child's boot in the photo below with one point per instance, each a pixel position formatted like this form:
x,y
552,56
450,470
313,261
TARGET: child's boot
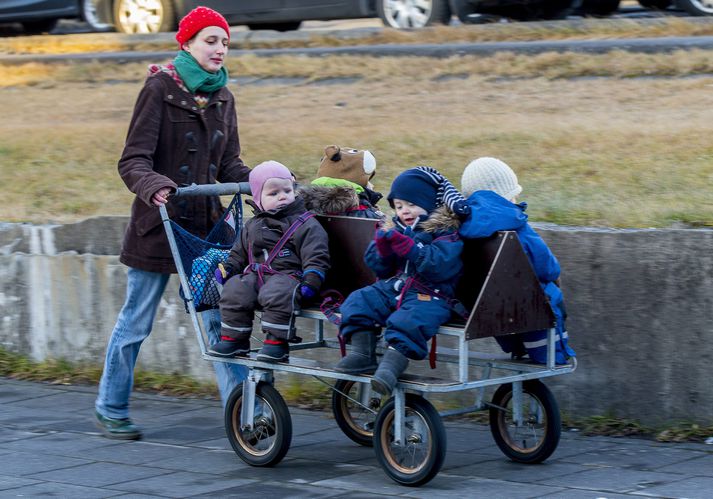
x,y
392,365
274,349
362,358
231,347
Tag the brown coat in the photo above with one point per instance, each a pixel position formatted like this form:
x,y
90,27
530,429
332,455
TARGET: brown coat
x,y
172,142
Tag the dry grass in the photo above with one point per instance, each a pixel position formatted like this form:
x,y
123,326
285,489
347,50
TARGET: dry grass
x,y
550,65
554,30
615,151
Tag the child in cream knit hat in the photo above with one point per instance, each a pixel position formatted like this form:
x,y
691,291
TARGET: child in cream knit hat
x,y
491,187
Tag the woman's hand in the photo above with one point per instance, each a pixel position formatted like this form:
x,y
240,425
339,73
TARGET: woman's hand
x,y
161,196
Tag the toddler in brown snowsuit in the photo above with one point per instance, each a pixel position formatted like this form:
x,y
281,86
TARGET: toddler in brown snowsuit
x,y
279,260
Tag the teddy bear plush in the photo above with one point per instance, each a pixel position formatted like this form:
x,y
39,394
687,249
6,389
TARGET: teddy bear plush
x,y
343,186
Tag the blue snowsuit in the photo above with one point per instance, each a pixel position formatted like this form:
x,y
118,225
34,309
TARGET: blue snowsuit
x,y
490,213
411,296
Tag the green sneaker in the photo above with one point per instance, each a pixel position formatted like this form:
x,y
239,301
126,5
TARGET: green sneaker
x,y
122,429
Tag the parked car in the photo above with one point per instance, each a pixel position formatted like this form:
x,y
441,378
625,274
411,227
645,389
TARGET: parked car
x,y
38,16
150,16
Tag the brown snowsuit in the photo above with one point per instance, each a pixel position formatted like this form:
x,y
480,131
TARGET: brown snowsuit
x,y
307,249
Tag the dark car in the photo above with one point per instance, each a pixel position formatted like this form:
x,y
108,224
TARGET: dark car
x,y
38,16
149,16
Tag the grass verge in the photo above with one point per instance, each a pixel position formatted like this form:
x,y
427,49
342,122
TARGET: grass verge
x,y
308,393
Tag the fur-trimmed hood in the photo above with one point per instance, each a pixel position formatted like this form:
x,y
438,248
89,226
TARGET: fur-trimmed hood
x,y
328,200
441,219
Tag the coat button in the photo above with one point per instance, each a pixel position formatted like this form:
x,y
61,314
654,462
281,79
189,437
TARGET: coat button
x,y
183,103
170,97
194,108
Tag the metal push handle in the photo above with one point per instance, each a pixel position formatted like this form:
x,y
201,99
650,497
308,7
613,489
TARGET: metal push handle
x,y
228,188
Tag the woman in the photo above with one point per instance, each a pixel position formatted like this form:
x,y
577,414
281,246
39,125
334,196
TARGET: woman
x,y
184,130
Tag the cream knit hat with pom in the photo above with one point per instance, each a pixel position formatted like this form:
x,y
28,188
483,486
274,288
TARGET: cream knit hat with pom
x,y
490,174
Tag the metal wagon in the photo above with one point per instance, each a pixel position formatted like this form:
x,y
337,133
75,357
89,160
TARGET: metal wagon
x,y
503,296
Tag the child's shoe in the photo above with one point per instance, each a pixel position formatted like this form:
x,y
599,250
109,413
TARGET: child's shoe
x,y
392,365
274,350
362,358
231,347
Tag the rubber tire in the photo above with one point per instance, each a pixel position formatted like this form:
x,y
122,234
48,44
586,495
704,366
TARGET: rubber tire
x,y
694,8
599,7
462,10
553,424
39,27
97,14
344,418
281,27
656,4
437,442
440,14
283,426
168,21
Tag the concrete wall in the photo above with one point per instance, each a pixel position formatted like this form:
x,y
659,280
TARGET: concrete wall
x,y
640,304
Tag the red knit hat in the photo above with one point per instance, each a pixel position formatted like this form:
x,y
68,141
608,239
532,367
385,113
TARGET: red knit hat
x,y
196,20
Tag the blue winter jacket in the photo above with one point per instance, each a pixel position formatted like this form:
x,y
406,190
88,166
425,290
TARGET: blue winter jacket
x,y
434,261
490,213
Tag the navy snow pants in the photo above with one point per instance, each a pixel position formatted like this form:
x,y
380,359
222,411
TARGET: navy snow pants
x,y
408,328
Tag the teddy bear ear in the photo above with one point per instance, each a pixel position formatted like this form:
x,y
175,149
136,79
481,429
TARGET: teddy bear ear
x,y
332,152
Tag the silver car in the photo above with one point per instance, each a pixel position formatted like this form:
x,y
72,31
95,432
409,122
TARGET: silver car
x,y
150,16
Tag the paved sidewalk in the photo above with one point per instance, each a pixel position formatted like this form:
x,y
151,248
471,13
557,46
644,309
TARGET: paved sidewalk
x,y
49,446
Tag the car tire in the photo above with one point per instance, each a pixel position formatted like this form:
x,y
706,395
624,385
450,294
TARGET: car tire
x,y
97,14
39,27
696,7
136,16
281,27
402,14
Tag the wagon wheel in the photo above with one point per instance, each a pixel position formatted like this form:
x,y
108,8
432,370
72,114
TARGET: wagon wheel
x,y
354,417
420,456
269,439
536,438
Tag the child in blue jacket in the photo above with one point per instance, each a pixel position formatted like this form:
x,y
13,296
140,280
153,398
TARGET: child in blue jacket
x,y
492,189
418,263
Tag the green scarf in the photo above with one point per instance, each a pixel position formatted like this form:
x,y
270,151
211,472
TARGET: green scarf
x,y
195,77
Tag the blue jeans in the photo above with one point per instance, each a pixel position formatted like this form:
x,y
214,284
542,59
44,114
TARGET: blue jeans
x,y
143,294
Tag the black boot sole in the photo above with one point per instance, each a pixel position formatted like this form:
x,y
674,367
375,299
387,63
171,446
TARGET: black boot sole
x,y
239,353
266,358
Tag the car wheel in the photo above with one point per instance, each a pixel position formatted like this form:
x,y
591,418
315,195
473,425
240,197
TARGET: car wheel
x,y
697,7
144,16
38,27
413,13
282,27
97,14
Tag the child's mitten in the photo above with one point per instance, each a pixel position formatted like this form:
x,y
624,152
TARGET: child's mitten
x,y
383,245
309,285
399,243
221,275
